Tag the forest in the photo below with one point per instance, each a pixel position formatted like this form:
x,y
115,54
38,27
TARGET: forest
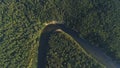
x,y
66,53
21,22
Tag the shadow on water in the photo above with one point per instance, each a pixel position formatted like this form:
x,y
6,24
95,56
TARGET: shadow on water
x,y
99,42
43,42
42,50
44,46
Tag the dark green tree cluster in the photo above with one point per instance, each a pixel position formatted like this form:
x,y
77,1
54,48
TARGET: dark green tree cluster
x,y
96,20
19,30
64,52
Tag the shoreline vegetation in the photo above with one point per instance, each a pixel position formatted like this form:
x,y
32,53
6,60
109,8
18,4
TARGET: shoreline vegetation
x,y
21,22
65,52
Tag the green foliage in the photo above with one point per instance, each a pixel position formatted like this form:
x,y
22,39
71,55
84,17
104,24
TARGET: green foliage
x,y
64,52
96,20
19,30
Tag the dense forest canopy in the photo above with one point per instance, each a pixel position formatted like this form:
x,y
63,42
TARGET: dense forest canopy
x,y
66,53
21,21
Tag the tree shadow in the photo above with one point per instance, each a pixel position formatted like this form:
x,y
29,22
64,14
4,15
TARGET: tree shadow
x,y
42,50
99,42
44,46
44,39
